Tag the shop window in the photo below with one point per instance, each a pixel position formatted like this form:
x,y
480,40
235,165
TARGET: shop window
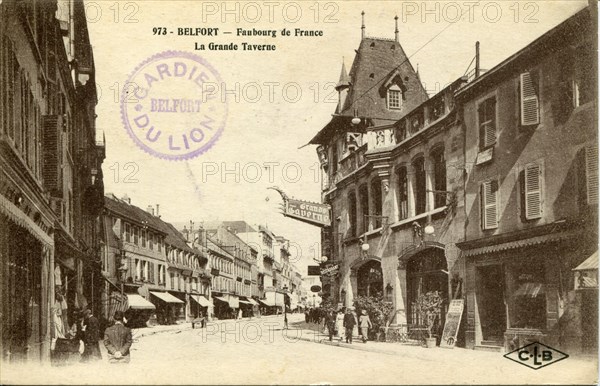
x,y
489,204
486,113
420,185
529,98
402,193
439,177
527,296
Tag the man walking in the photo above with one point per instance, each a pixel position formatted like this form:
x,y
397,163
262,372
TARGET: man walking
x,y
117,340
365,324
349,323
91,336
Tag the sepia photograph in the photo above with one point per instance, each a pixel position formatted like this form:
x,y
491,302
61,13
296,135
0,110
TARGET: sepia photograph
x,y
299,192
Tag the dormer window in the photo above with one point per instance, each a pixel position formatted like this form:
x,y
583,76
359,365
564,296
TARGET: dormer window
x,y
394,98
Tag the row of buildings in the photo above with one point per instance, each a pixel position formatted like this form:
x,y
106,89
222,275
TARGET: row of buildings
x,y
485,192
64,246
51,189
153,270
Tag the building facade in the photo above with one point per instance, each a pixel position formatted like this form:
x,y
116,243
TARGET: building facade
x,y
531,193
51,187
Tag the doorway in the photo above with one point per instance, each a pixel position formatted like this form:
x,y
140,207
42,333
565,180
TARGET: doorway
x,y
490,302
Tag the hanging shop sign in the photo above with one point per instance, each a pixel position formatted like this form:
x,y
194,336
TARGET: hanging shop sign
x,y
330,270
308,212
315,288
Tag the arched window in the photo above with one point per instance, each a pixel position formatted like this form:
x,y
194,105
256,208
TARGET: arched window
x,y
439,177
402,193
420,187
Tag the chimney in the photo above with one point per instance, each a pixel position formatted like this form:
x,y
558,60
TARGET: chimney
x,y
150,209
157,213
396,32
185,233
126,199
362,28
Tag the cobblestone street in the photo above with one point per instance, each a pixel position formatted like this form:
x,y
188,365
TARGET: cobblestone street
x,y
259,351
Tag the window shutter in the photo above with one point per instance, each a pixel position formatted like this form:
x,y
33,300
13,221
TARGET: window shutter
x,y
591,174
530,114
533,192
489,200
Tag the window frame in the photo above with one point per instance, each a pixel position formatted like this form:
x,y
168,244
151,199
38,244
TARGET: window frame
x,y
493,118
484,205
394,98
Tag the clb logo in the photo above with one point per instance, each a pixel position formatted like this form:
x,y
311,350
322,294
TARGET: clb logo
x,y
536,355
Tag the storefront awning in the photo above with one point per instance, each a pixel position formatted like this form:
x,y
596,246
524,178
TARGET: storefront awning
x,y
267,302
201,300
591,263
253,302
167,297
245,302
137,302
232,301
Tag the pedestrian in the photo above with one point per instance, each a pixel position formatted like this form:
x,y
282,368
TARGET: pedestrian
x,y
339,324
331,319
91,336
306,316
117,340
349,323
240,313
365,325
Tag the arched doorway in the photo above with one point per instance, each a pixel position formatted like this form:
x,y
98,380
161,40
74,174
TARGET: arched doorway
x,y
426,271
370,279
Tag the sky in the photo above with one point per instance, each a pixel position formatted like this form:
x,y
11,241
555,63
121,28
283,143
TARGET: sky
x,y
284,97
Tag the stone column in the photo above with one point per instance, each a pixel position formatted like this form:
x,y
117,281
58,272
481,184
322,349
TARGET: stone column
x,y
411,190
400,294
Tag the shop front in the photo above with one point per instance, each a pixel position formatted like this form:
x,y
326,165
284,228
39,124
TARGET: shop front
x,y
518,292
225,305
199,306
168,307
137,310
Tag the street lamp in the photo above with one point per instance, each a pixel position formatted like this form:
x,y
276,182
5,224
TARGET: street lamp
x,y
314,296
285,320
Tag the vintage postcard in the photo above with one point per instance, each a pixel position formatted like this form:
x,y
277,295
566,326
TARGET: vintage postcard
x,y
299,192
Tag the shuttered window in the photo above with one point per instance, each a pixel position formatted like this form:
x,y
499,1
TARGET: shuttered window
x,y
487,123
489,204
591,174
530,113
533,191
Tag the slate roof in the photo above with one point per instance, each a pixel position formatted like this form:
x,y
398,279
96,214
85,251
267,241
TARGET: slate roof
x,y
132,213
238,226
376,61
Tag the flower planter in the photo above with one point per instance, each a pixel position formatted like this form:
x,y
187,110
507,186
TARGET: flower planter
x,y
430,342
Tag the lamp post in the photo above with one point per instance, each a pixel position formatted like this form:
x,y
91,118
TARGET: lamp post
x,y
285,320
314,296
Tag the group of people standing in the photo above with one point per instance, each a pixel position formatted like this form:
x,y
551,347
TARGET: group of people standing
x,y
117,338
343,324
346,325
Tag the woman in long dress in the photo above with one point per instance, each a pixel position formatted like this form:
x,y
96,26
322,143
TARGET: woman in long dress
x,y
339,324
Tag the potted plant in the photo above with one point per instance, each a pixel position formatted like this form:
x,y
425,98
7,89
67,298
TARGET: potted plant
x,y
429,307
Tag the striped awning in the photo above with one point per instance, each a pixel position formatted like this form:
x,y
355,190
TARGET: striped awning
x,y
201,300
167,297
591,263
137,302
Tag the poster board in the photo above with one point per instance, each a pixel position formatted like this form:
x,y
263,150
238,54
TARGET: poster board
x,y
453,317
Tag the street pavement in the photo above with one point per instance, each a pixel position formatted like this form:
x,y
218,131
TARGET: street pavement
x,y
260,351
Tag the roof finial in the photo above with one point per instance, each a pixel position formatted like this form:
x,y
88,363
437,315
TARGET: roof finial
x,y
363,25
396,32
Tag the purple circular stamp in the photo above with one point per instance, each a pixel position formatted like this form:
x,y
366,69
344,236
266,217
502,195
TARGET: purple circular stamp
x,y
170,105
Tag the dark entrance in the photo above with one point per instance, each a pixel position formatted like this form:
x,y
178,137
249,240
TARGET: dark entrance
x,y
425,272
370,279
490,302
